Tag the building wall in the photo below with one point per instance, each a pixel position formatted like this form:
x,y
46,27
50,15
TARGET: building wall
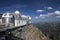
x,y
0,20
23,22
20,22
16,22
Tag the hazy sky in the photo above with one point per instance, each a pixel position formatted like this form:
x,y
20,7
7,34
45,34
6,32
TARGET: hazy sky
x,y
39,10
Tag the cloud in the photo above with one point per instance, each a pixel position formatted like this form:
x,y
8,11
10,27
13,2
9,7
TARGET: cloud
x,y
39,10
55,14
36,17
58,16
40,16
50,8
43,15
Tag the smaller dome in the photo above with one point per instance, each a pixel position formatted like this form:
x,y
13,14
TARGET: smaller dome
x,y
17,12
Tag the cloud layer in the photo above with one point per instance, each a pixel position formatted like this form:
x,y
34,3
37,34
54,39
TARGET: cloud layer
x,y
49,8
39,10
50,15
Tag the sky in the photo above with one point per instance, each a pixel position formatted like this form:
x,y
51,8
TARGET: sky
x,y
39,10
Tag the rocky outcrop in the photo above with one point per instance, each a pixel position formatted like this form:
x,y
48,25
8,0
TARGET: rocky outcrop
x,y
30,33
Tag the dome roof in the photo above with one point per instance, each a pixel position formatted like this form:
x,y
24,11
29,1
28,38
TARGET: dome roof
x,y
17,12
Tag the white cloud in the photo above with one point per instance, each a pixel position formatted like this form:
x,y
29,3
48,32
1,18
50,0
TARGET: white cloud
x,y
57,12
43,15
39,10
40,16
50,8
50,14
53,14
36,17
58,16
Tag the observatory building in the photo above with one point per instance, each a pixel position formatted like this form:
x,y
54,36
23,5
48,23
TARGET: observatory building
x,y
15,19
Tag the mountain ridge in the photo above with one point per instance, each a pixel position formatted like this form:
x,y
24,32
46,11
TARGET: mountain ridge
x,y
31,33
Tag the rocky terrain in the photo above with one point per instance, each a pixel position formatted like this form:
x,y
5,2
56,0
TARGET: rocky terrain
x,y
50,29
30,33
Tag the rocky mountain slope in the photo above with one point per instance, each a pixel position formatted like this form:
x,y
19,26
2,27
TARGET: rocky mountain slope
x,y
50,29
30,33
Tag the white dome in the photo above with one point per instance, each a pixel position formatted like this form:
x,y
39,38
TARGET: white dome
x,y
17,12
29,17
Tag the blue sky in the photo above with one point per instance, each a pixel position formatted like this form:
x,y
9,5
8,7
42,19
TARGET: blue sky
x,y
39,10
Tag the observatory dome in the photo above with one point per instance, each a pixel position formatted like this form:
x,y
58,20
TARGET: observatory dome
x,y
17,12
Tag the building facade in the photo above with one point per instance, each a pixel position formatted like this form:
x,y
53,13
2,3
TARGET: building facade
x,y
15,19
